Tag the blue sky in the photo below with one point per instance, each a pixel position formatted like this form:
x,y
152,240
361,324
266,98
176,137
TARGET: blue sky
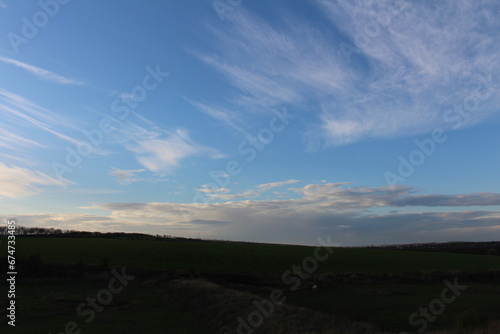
x,y
272,121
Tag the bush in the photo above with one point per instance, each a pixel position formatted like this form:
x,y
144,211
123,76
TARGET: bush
x,y
492,251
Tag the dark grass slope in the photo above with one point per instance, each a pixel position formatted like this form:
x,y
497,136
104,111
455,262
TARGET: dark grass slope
x,y
365,290
241,257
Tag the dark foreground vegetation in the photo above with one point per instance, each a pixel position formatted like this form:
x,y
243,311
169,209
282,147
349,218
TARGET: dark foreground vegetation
x,y
76,282
485,247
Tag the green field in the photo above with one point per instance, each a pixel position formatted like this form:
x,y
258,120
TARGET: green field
x,y
242,257
47,307
48,300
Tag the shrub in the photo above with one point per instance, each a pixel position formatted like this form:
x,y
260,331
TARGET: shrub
x,y
492,251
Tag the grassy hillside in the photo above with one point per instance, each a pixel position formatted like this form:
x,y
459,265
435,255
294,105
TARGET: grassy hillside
x,y
48,307
241,257
233,275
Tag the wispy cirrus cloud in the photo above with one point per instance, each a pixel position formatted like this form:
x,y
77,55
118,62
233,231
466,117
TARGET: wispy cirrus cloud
x,y
227,194
272,67
12,140
24,115
16,101
18,182
42,73
205,189
160,150
221,115
126,176
27,127
418,67
397,79
271,185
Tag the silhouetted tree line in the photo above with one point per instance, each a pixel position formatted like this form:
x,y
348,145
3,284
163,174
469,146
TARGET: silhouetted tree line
x,y
53,232
481,247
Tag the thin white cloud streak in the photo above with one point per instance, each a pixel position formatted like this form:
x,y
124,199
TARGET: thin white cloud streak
x,y
83,191
11,140
224,193
126,176
30,108
271,185
221,115
400,84
24,126
42,73
19,160
18,182
21,113
159,150
227,197
205,189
